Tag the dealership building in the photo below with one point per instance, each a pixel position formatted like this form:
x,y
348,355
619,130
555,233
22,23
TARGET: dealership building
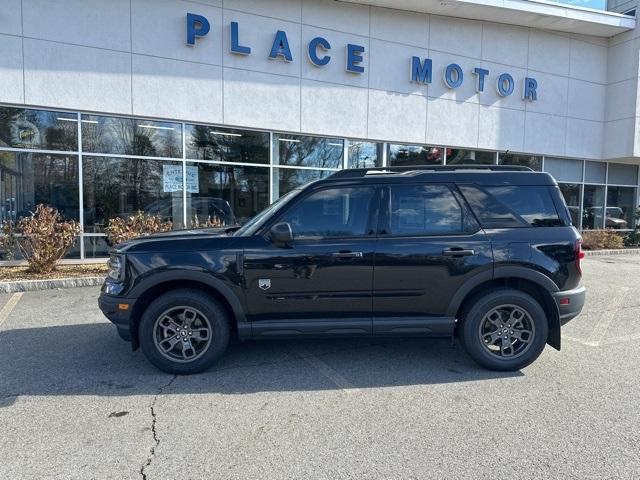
x,y
211,109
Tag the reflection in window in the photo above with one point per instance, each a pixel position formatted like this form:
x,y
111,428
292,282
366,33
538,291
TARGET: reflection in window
x,y
512,206
27,179
131,136
364,154
413,155
336,212
564,169
571,193
96,247
623,174
621,203
287,179
226,145
534,162
592,214
425,210
44,130
595,172
301,151
120,187
470,157
228,194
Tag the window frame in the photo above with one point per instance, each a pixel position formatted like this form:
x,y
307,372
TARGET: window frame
x,y
372,222
384,224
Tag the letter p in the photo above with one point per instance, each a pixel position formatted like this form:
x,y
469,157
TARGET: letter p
x,y
197,26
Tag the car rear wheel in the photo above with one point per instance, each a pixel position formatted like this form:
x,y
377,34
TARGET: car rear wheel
x,y
184,332
504,330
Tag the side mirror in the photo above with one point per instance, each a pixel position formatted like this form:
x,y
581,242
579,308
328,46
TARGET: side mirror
x,y
281,234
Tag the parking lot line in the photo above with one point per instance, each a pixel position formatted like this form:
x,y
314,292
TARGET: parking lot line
x,y
326,370
9,306
607,317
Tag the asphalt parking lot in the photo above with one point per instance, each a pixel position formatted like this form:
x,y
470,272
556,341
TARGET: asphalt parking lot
x,y
75,402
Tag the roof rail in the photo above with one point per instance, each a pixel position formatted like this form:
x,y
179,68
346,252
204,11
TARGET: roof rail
x,y
361,172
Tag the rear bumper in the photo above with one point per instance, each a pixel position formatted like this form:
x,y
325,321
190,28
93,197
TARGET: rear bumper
x,y
570,303
118,311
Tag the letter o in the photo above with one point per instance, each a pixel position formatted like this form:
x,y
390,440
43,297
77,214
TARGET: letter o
x,y
505,85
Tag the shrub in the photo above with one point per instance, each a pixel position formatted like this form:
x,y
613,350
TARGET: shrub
x,y
139,225
601,239
210,222
42,238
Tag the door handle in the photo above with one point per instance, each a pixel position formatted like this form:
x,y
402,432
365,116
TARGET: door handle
x,y
347,255
458,252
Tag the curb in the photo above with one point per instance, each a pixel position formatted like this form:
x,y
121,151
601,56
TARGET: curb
x,y
604,253
52,284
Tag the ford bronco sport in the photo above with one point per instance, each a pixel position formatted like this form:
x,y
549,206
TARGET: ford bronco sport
x,y
485,254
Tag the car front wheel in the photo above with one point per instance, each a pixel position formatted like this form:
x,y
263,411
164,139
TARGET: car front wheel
x,y
184,332
505,330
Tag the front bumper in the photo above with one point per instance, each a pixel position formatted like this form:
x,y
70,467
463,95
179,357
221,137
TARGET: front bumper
x,y
118,311
570,303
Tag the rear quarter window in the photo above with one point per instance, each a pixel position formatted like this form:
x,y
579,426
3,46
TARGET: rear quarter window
x,y
508,206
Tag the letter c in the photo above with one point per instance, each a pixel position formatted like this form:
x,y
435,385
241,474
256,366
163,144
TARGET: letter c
x,y
313,51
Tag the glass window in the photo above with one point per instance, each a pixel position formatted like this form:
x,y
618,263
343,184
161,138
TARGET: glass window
x,y
593,207
564,169
364,154
622,174
335,212
120,187
300,151
470,157
287,179
425,210
512,206
131,136
96,247
595,172
410,155
571,193
227,194
621,203
40,129
226,145
28,179
534,162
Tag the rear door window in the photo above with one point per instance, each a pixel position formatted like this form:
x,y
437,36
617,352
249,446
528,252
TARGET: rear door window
x,y
424,210
507,206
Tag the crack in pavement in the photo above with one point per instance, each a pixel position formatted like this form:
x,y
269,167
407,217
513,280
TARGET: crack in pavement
x,y
154,417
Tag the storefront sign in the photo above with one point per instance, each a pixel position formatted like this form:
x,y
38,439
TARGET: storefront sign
x,y
172,179
319,48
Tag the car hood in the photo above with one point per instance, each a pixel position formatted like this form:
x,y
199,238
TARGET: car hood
x,y
179,240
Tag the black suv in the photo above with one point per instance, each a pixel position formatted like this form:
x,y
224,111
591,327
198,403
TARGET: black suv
x,y
485,254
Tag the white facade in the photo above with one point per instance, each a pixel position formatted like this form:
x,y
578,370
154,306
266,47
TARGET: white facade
x,y
130,57
106,110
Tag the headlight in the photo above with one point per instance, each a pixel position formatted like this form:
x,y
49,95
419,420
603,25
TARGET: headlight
x,y
116,268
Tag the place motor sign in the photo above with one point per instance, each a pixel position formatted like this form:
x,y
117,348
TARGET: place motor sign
x,y
318,53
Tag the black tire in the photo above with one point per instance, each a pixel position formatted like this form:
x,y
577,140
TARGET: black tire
x,y
493,308
203,349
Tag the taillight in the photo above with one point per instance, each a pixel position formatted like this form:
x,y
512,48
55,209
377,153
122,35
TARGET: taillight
x,y
579,254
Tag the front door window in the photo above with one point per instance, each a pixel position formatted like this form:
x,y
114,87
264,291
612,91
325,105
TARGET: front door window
x,y
337,212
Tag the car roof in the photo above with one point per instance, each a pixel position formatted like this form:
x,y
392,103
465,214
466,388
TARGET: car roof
x,y
488,175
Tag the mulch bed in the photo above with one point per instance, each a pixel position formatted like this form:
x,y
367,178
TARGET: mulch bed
x,y
12,274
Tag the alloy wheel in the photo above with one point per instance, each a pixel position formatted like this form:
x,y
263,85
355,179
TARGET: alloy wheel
x,y
507,331
182,334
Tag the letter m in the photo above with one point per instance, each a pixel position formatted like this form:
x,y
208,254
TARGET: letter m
x,y
421,70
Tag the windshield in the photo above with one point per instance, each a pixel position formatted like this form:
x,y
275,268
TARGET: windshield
x,y
256,222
